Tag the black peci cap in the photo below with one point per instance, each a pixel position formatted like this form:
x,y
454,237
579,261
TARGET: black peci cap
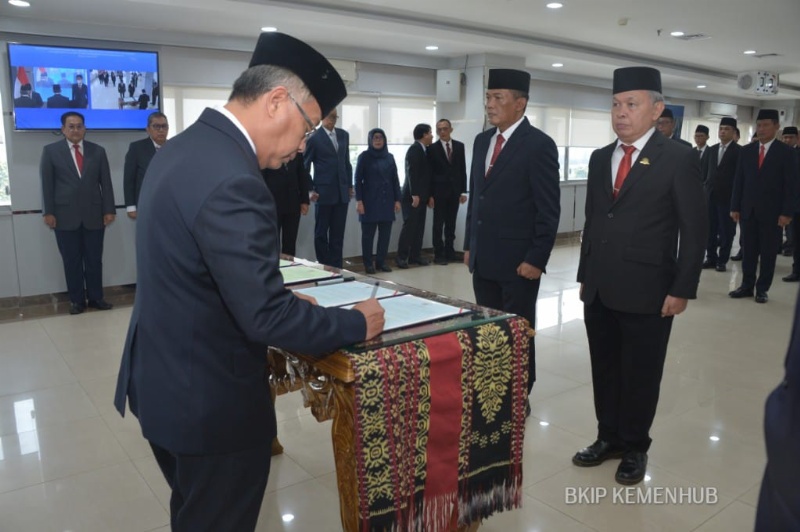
x,y
790,130
322,80
767,114
728,121
701,129
667,114
637,79
506,78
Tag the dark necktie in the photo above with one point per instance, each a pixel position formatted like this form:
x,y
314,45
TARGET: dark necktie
x,y
449,153
761,154
78,158
624,168
498,145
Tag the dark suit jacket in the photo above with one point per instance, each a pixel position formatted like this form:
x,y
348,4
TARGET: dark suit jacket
x,y
136,162
449,177
80,96
649,242
418,173
719,178
681,141
289,186
57,101
74,199
210,298
512,216
767,192
333,173
24,102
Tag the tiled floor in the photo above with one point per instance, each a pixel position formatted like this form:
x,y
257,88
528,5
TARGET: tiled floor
x,y
69,462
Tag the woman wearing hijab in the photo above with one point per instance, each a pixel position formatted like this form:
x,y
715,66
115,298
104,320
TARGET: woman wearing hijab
x,y
378,198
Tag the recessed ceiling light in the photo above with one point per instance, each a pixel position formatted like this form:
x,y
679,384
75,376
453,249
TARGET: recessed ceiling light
x,y
19,3
269,28
431,47
677,34
558,65
749,52
555,5
701,86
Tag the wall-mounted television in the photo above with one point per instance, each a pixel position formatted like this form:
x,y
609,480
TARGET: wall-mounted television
x,y
113,89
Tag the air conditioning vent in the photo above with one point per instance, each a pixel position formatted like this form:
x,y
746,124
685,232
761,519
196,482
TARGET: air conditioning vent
x,y
759,83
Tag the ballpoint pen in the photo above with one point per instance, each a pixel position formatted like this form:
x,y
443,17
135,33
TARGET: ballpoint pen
x,y
375,290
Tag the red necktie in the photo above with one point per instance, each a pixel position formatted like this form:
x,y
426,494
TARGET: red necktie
x,y
497,147
449,153
761,154
624,168
78,157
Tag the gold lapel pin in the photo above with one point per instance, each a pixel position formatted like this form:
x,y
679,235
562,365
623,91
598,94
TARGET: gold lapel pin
x,y
645,161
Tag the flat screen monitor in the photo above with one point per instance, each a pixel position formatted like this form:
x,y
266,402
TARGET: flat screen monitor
x,y
112,89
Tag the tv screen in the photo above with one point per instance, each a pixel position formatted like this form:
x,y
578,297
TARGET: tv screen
x,y
112,89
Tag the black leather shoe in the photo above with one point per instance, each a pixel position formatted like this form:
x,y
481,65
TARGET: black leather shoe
x,y
76,308
384,268
791,278
369,270
632,468
402,264
737,257
421,261
101,304
741,292
788,252
761,297
597,453
707,265
455,256
721,268
440,261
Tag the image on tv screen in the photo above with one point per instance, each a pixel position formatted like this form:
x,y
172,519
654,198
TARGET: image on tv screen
x,y
113,89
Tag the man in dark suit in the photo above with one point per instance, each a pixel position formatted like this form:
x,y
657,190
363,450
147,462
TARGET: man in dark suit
x,y
80,94
78,204
641,256
718,173
57,100
138,159
144,99
289,186
789,138
449,189
328,149
779,500
514,204
666,126
210,297
764,198
416,196
25,99
701,134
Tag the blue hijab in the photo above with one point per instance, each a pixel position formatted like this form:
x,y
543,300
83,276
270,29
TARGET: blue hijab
x,y
378,154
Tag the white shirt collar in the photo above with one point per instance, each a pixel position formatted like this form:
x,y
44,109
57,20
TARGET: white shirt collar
x,y
230,116
71,144
640,142
509,130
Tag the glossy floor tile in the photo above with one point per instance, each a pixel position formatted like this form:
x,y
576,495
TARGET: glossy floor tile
x,y
69,462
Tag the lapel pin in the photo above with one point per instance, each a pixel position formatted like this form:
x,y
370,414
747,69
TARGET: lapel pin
x,y
645,161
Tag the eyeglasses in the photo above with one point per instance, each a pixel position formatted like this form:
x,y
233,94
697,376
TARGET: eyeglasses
x,y
311,125
159,126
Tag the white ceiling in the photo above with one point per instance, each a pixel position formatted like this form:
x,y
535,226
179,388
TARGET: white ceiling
x,y
588,36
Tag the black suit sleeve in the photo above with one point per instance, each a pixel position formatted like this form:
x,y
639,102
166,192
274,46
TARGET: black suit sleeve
x,y
594,170
544,182
692,218
303,181
415,176
348,164
129,176
461,164
109,206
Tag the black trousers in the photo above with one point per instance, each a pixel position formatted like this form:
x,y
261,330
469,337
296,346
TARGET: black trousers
x,y
82,254
762,239
410,245
329,233
627,352
722,228
796,244
368,237
517,296
215,493
288,224
445,211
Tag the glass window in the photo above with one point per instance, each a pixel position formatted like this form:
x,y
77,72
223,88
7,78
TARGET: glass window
x,y
578,164
398,116
590,128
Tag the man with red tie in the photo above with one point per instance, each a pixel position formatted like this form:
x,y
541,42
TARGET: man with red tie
x,y
514,204
641,256
764,198
78,205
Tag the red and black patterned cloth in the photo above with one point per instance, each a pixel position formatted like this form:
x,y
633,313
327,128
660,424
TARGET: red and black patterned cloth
x,y
440,424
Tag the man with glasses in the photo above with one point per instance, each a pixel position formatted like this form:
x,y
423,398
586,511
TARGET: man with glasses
x,y
328,150
210,296
138,159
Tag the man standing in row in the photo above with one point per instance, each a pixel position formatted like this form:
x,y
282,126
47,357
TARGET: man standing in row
x,y
416,196
449,189
642,249
720,169
80,93
666,126
701,134
764,198
514,204
328,149
78,205
138,159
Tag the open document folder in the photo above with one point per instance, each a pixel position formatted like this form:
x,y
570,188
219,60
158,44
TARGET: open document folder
x,y
406,310
345,293
298,273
